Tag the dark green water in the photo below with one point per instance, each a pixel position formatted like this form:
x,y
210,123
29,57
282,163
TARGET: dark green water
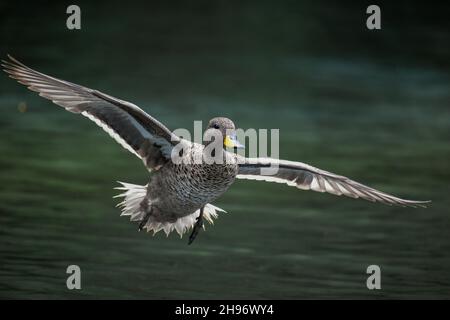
x,y
374,107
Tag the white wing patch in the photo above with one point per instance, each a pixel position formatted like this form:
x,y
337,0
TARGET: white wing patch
x,y
268,179
113,134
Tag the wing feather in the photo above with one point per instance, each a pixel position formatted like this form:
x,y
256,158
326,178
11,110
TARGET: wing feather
x,y
127,124
306,177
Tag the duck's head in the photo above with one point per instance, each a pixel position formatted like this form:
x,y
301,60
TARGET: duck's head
x,y
227,130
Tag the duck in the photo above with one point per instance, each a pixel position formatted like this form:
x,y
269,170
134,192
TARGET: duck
x,y
180,191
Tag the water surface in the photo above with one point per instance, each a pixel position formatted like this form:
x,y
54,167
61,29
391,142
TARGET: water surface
x,y
380,117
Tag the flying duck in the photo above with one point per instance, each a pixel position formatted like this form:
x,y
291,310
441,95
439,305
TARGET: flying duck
x,y
178,194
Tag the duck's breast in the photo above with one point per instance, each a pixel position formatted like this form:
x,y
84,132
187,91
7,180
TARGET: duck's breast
x,y
184,188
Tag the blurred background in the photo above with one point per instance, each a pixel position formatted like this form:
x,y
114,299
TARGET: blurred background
x,y
371,105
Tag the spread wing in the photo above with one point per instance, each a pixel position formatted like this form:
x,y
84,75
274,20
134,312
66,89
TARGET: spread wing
x,y
306,177
130,126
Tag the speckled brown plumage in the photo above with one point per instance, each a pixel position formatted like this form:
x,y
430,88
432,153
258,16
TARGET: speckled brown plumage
x,y
177,190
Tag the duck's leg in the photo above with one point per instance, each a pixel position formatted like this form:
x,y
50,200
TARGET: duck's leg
x,y
197,226
144,220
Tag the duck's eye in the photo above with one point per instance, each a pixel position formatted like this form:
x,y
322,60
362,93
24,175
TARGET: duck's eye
x,y
216,126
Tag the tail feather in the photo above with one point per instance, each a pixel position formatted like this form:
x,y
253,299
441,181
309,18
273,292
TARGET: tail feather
x,y
134,194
